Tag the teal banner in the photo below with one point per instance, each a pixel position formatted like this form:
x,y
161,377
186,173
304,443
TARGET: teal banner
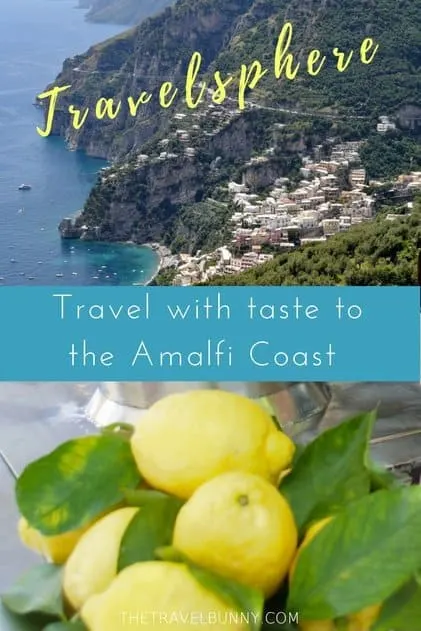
x,y
210,333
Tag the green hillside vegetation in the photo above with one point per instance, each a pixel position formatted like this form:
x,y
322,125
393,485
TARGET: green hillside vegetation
x,y
229,34
203,226
378,252
364,90
139,204
389,155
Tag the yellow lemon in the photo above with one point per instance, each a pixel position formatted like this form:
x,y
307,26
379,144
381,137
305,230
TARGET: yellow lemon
x,y
239,526
360,621
283,475
93,563
159,594
365,619
185,439
56,549
309,536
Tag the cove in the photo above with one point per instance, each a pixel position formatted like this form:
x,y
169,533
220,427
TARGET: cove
x,y
31,251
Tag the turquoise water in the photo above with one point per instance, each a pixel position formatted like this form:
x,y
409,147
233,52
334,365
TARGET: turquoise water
x,y
35,38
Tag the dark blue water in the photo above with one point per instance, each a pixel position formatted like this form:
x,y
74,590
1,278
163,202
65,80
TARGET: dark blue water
x,y
35,38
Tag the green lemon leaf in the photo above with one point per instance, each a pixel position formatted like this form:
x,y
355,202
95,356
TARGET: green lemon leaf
x,y
270,622
246,601
402,611
141,497
38,591
14,622
77,625
382,478
75,483
151,528
121,429
331,471
299,450
171,554
361,557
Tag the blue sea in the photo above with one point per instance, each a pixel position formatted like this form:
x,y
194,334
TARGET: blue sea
x,y
35,38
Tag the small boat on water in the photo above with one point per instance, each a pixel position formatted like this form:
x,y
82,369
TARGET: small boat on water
x,y
31,277
74,273
24,187
59,275
13,260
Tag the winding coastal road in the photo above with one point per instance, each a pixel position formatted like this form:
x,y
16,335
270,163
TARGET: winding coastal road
x,y
249,104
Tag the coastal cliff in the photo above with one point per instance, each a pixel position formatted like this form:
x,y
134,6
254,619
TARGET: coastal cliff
x,y
140,204
137,60
153,196
166,161
122,11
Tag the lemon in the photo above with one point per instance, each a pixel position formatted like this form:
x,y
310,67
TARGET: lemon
x,y
283,475
56,549
365,619
93,563
360,621
239,526
185,439
157,594
312,531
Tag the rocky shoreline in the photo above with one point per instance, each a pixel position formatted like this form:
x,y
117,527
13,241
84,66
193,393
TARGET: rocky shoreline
x,y
166,258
